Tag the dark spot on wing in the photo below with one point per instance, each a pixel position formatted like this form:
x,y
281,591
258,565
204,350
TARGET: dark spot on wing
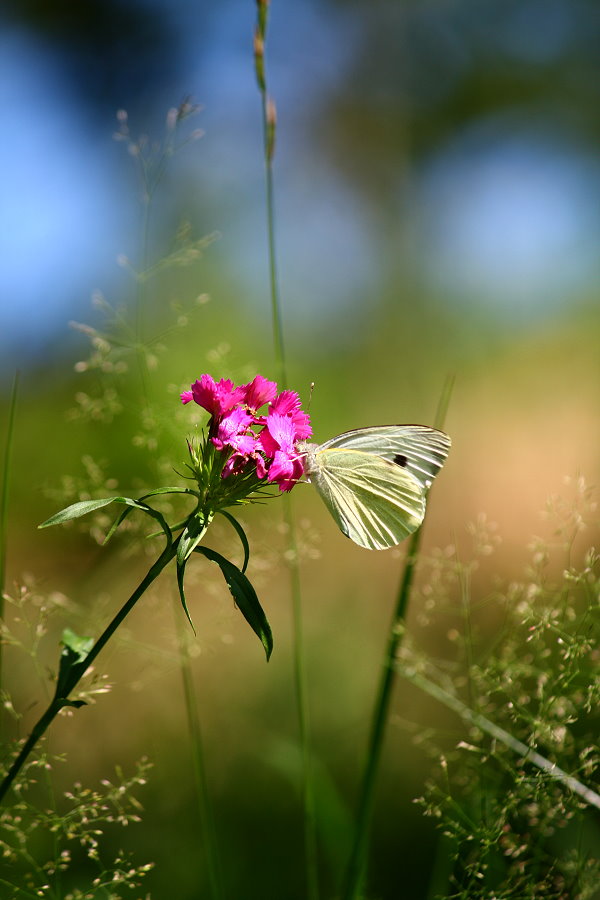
x,y
401,460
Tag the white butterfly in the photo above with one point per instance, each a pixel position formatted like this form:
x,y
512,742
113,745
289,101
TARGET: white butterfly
x,y
374,480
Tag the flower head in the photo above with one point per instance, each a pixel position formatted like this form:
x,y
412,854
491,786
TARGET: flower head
x,y
258,392
288,403
217,398
233,431
244,448
278,442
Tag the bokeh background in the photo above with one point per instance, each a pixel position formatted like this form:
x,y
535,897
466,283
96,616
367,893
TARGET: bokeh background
x,y
437,198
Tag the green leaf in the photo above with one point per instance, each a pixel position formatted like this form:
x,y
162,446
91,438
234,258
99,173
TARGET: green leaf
x,y
81,646
118,521
76,510
241,535
85,506
192,535
180,575
244,596
170,490
188,540
72,658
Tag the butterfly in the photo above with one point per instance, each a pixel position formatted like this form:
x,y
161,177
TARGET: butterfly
x,y
374,480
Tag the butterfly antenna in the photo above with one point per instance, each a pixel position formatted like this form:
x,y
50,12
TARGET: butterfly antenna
x,y
312,387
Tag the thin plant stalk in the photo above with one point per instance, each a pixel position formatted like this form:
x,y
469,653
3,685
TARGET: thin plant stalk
x,y
200,774
78,671
484,724
150,180
6,472
269,122
356,867
308,796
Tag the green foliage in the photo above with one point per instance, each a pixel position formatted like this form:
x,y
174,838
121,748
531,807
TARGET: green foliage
x,y
57,851
53,846
244,596
73,656
515,797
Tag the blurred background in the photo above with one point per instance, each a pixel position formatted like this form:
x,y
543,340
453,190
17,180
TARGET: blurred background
x,y
437,199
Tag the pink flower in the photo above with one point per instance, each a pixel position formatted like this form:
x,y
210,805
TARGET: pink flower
x,y
277,441
233,431
285,403
288,403
261,469
264,445
285,470
234,465
258,392
218,398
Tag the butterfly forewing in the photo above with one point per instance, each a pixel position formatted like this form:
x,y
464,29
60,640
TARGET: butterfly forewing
x,y
420,450
375,502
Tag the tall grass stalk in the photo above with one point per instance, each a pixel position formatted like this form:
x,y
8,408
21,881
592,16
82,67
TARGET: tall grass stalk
x,y
198,760
151,173
6,471
357,862
527,754
269,123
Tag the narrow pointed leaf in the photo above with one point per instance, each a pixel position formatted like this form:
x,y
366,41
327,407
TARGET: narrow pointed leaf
x,y
244,596
76,510
86,506
170,490
192,535
164,527
241,534
180,575
119,521
149,510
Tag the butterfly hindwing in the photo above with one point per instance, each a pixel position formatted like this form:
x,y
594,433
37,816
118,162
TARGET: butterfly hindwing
x,y
417,448
374,501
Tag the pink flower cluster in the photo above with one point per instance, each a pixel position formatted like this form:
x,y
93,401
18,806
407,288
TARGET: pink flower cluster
x,y
268,440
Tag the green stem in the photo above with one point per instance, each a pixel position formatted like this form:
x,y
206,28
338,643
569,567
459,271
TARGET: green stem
x,y
79,669
205,807
356,866
276,317
4,514
308,797
354,874
301,694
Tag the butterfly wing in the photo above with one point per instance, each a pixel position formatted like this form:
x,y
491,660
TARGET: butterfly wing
x,y
420,450
374,502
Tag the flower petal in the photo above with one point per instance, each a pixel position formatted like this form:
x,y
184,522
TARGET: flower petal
x,y
217,398
258,392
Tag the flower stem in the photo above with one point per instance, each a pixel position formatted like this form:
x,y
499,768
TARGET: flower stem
x,y
356,866
269,123
79,670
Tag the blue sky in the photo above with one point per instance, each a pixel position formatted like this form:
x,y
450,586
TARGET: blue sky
x,y
506,213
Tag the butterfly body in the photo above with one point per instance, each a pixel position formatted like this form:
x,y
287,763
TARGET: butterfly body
x,y
374,480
